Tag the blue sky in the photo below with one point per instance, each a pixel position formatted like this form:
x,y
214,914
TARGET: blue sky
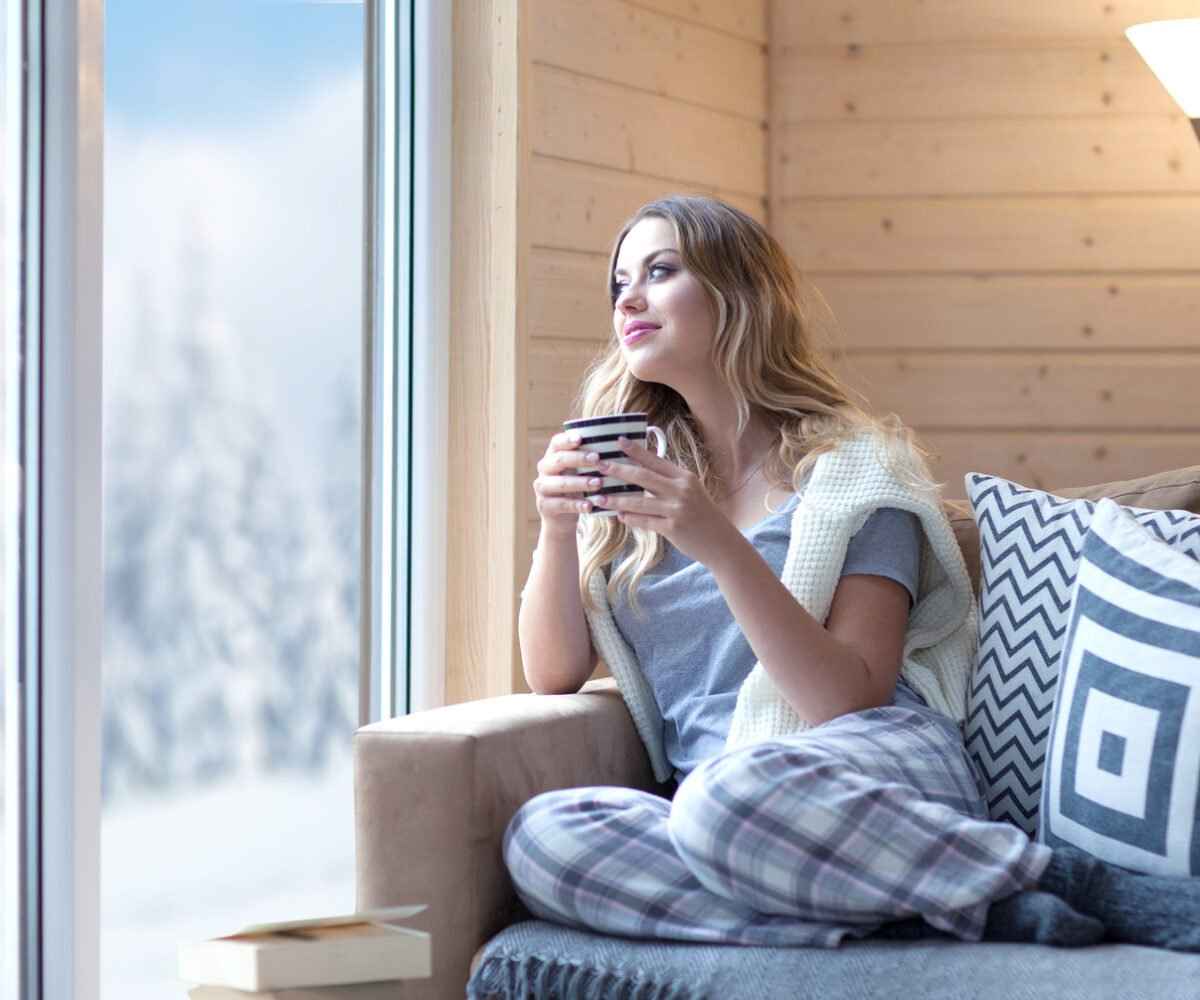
x,y
221,63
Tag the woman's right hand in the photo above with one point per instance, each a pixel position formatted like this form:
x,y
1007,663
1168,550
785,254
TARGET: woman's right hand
x,y
559,489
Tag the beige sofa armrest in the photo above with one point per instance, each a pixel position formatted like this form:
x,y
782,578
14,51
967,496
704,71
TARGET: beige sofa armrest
x,y
435,790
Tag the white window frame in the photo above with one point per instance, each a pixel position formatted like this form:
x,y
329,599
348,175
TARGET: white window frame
x,y
406,356
53,353
53,359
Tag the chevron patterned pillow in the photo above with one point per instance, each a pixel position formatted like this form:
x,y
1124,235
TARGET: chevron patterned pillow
x,y
1122,772
1029,545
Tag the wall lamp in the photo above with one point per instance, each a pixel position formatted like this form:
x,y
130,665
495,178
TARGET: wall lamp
x,y
1172,50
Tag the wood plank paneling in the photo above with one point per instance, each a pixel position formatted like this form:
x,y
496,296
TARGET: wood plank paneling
x,y
653,52
568,295
605,124
978,312
954,390
580,207
555,370
1148,390
1080,233
907,83
1097,155
744,20
1050,460
486,310
1014,312
995,22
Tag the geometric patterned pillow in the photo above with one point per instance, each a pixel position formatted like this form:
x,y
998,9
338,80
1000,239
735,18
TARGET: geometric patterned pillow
x,y
1122,770
1029,544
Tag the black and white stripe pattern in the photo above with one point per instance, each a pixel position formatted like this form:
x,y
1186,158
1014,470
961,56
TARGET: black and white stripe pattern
x,y
1030,542
599,434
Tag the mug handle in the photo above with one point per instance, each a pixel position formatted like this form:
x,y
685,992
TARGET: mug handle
x,y
660,440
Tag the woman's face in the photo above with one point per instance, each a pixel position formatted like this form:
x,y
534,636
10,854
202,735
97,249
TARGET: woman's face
x,y
652,286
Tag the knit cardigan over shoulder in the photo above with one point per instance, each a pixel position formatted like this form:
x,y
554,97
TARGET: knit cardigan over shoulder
x,y
845,486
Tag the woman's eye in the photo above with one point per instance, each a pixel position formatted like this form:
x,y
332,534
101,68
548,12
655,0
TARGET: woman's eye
x,y
618,285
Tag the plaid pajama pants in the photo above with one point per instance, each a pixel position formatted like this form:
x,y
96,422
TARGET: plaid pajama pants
x,y
872,817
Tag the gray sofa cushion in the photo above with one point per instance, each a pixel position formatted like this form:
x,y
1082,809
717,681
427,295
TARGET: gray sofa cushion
x,y
538,959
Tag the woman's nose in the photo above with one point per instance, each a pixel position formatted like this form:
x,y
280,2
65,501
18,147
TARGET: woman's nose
x,y
629,292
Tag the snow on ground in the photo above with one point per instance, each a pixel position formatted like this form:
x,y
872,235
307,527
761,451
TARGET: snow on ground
x,y
207,862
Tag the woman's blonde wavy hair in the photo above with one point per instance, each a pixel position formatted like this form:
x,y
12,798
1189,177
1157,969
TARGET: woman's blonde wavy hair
x,y
766,349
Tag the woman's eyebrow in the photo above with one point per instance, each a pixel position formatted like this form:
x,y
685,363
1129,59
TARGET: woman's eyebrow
x,y
649,256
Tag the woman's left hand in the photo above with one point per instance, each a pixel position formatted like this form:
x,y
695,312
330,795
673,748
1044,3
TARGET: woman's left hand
x,y
675,504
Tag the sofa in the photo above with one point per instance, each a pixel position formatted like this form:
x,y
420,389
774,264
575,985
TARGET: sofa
x,y
435,790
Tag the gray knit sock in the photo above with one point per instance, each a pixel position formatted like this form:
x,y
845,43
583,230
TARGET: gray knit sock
x,y
1029,916
1154,910
1042,918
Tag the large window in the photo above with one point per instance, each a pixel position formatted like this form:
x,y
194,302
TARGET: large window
x,y
215,264
233,288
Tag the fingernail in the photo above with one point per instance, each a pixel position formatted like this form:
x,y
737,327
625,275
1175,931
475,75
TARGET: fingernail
x,y
622,440
592,456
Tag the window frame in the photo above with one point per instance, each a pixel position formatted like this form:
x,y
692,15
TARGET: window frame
x,y
53,371
406,419
53,368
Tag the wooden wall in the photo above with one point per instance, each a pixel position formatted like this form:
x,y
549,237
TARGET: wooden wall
x,y
997,199
673,100
1002,207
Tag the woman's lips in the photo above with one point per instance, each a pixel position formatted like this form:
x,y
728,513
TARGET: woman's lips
x,y
639,334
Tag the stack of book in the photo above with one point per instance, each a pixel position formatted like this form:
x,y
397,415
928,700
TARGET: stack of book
x,y
362,955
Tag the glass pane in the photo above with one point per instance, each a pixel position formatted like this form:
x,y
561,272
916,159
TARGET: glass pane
x,y
232,312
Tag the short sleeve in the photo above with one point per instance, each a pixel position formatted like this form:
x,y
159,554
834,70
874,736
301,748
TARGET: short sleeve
x,y
888,544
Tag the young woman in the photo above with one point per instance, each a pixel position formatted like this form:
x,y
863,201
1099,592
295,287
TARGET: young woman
x,y
790,622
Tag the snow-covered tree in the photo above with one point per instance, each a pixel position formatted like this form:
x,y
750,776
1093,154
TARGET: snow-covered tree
x,y
231,641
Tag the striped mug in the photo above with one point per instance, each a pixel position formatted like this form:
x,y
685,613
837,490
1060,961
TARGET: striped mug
x,y
599,434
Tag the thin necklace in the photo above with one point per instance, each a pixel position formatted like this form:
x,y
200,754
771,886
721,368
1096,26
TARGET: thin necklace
x,y
746,479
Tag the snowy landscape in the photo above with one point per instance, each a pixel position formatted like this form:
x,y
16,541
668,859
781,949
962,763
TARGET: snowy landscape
x,y
204,863
231,531
232,480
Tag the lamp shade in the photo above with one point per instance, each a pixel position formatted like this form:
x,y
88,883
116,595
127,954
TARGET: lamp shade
x,y
1172,51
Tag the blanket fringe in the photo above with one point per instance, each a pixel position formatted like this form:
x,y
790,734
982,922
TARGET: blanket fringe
x,y
532,977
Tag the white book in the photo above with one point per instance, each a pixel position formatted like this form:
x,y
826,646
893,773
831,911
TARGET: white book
x,y
328,951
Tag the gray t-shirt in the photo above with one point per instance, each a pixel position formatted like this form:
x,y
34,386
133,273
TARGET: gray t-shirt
x,y
692,650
